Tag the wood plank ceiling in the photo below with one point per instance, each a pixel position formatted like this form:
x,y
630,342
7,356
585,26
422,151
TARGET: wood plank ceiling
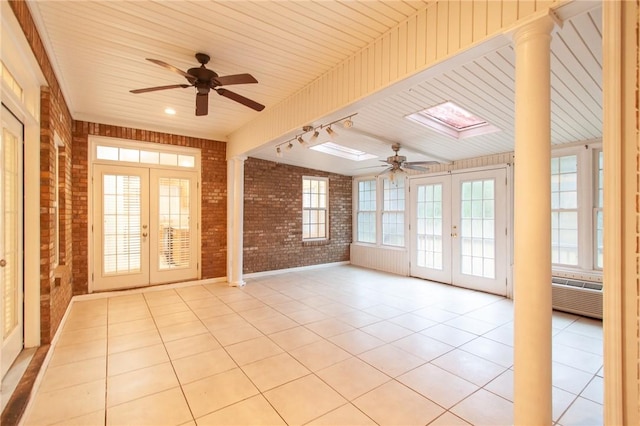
x,y
98,50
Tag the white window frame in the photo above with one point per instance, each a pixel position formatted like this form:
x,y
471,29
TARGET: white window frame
x,y
586,155
325,209
356,235
380,211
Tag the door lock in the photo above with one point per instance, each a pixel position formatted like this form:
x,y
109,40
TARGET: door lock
x,y
3,263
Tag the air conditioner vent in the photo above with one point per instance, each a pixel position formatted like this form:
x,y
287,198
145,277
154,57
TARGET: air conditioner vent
x,y
578,297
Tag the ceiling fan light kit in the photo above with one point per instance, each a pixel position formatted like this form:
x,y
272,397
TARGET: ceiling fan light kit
x,y
204,80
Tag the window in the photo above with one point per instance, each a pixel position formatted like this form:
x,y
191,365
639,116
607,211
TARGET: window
x,y
577,209
599,203
366,214
393,212
315,196
564,210
145,156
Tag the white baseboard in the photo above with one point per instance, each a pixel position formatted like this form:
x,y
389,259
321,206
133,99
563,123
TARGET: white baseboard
x,y
297,269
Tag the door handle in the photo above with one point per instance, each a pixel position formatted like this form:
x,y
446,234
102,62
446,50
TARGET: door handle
x,y
3,263
144,234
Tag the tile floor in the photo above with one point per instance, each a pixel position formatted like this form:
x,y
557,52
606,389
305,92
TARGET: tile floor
x,y
334,346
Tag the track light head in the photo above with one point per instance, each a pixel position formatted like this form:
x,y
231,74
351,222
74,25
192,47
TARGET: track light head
x,y
289,146
314,136
347,123
301,141
279,152
331,133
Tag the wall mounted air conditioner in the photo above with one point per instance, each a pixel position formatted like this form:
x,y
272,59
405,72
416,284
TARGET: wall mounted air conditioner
x,y
577,297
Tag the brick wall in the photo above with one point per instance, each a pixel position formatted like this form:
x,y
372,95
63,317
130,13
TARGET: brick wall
x,y
273,218
55,118
213,195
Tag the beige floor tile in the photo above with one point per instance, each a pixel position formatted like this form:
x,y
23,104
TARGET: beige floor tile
x,y
162,297
290,306
182,330
123,362
85,320
258,314
335,309
560,402
469,367
224,321
304,399
67,403
253,350
448,419
79,352
245,305
320,354
236,334
126,342
329,327
383,311
163,408
138,383
275,324
413,322
252,411
386,331
352,377
175,318
345,415
358,318
274,371
191,345
422,346
212,312
171,308
356,341
96,418
394,404
449,335
391,360
490,350
73,374
128,314
438,385
83,335
471,325
306,315
194,292
129,327
503,385
485,408
583,412
208,302
294,338
215,392
201,365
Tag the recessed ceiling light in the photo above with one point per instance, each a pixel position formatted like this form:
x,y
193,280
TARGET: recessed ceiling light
x,y
342,151
452,120
170,111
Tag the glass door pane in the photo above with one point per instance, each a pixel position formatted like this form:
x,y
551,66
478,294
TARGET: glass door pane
x,y
431,229
173,203
479,228
121,227
11,281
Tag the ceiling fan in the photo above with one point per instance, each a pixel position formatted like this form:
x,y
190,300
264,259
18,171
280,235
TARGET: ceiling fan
x,y
397,162
204,79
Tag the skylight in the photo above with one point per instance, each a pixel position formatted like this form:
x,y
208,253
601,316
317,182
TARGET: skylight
x,y
452,120
342,151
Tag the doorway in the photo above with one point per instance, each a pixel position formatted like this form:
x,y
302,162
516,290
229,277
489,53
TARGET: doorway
x,y
11,216
145,224
459,229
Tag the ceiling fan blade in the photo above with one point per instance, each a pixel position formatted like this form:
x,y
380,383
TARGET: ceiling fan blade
x,y
202,103
235,79
153,89
172,68
421,163
414,167
241,99
386,171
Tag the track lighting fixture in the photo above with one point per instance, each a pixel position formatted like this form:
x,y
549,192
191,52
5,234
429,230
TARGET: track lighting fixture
x,y
288,145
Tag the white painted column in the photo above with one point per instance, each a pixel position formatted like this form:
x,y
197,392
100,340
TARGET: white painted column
x,y
235,220
532,232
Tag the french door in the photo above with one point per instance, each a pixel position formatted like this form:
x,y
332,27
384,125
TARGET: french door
x,y
11,277
458,229
145,229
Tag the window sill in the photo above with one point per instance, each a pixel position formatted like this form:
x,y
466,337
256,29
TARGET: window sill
x,y
577,274
314,243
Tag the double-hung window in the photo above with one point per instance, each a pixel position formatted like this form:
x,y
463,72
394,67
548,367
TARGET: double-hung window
x,y
576,209
393,212
315,202
366,214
